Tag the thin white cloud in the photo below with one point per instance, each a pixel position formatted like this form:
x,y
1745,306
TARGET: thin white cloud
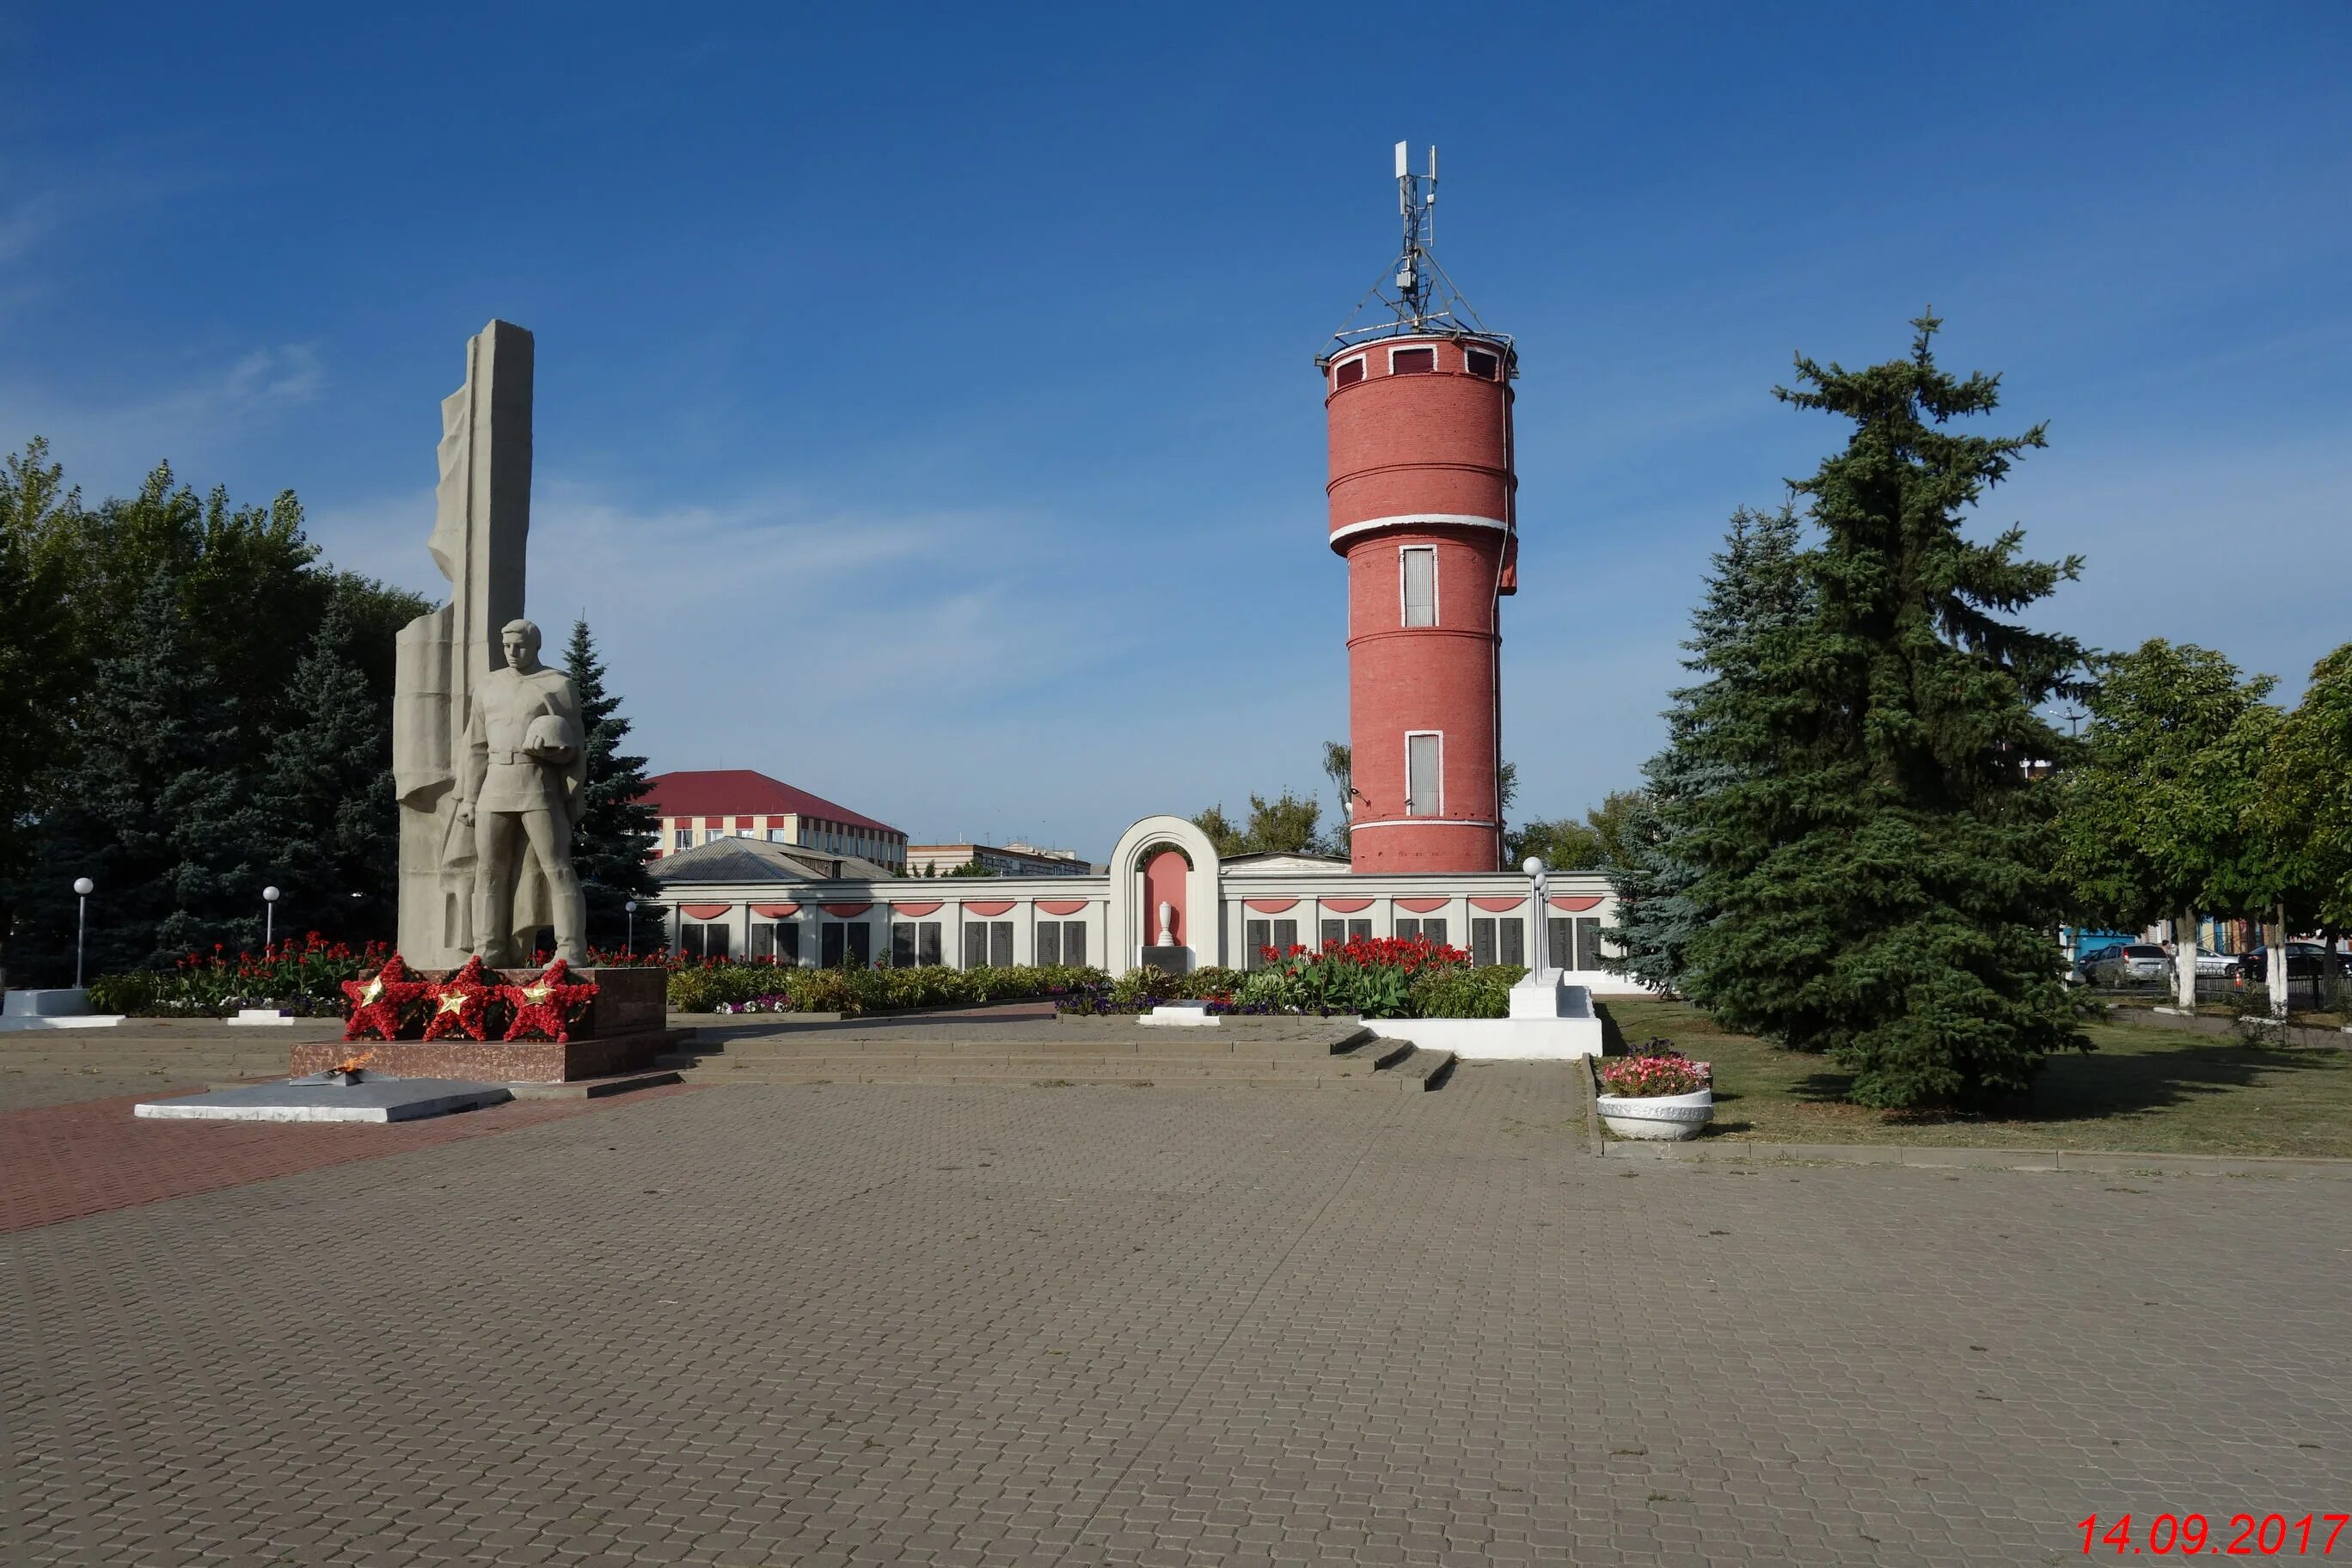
x,y
112,445
850,650
26,224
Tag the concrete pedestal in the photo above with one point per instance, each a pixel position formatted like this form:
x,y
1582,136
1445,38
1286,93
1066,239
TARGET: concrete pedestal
x,y
1551,1021
1544,995
372,1099
64,1007
1181,1016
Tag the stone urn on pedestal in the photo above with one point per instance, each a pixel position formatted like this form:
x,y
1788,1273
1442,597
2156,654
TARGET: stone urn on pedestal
x,y
1660,1094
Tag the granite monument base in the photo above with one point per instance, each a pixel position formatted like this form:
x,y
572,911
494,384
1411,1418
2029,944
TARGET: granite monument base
x,y
1172,960
625,1030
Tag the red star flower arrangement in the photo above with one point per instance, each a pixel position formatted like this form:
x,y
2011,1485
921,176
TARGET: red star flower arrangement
x,y
461,1003
547,1007
378,1001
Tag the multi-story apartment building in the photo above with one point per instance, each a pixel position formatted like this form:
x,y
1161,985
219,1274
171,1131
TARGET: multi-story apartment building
x,y
701,807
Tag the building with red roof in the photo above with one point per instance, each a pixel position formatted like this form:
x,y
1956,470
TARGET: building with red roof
x,y
704,806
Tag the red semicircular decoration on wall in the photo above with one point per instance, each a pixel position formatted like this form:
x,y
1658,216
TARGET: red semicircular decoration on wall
x,y
775,911
1498,906
916,912
1422,906
1573,904
1271,905
1346,906
845,910
703,912
1062,906
989,907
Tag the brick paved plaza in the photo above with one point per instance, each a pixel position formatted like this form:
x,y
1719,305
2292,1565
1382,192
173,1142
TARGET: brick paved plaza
x,y
794,1324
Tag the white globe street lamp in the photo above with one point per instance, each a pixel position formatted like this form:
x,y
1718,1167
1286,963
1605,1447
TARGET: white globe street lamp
x,y
269,918
83,889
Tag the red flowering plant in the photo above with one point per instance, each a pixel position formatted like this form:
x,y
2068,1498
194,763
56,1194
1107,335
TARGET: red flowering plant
x,y
1654,1068
1377,977
300,975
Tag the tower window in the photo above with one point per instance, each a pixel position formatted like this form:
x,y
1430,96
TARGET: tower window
x,y
1481,364
1423,754
1411,362
1419,566
1348,373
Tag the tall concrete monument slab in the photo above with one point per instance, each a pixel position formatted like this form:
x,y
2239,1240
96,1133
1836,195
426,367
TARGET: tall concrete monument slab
x,y
486,753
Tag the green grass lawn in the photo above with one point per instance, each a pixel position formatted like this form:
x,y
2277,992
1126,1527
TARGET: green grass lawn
x,y
2155,1090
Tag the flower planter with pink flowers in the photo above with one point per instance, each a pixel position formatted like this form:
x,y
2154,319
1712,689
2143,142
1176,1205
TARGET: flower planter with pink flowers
x,y
1658,1094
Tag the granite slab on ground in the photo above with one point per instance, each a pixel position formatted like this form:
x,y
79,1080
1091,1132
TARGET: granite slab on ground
x,y
370,1100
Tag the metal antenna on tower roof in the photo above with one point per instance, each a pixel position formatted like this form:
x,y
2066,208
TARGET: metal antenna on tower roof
x,y
1421,300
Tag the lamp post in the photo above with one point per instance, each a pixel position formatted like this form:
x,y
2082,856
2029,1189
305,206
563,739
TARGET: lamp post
x,y
1534,867
269,918
83,889
630,946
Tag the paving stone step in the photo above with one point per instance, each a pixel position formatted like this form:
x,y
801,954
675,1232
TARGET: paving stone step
x,y
1373,1064
1065,1075
1379,1052
1025,1061
913,1061
1425,1069
1186,1046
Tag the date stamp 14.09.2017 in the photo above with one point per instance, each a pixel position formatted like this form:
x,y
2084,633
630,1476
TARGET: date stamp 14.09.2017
x,y
2196,1535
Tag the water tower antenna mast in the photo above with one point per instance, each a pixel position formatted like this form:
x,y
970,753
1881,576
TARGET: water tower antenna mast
x,y
1413,294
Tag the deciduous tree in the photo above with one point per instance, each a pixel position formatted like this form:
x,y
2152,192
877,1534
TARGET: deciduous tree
x,y
2303,815
1286,824
2156,817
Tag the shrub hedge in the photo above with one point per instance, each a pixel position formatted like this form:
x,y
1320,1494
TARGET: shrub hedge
x,y
850,991
1433,988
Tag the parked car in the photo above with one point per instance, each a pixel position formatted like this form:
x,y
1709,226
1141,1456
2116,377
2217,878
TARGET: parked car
x,y
2128,961
2080,970
2304,961
2210,965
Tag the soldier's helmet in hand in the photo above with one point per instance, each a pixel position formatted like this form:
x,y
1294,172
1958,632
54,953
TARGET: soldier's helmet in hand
x,y
552,738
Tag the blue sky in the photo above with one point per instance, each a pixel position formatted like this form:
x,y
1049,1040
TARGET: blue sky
x,y
926,408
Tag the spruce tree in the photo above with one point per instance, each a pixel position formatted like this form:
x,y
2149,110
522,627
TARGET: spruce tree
x,y
244,576
325,819
1883,867
41,664
1755,590
614,837
149,808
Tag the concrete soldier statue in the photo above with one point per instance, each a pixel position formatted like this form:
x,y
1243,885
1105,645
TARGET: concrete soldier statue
x,y
481,532
521,788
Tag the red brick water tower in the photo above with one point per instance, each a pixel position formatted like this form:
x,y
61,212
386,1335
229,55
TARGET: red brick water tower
x,y
1418,407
